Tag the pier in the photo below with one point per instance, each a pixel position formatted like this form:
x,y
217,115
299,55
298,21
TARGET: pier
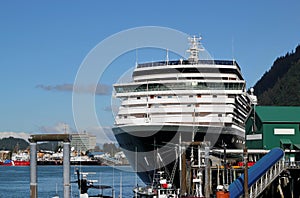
x,y
232,176
208,172
66,139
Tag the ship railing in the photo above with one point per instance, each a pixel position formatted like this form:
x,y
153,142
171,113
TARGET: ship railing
x,y
183,86
265,180
186,62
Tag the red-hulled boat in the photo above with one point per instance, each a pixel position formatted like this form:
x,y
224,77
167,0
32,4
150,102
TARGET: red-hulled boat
x,y
15,163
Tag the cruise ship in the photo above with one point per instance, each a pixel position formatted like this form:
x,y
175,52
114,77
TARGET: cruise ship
x,y
174,101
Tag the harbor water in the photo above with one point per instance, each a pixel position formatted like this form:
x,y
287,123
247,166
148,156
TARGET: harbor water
x,y
15,181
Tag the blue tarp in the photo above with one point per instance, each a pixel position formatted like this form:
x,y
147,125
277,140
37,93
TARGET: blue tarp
x,y
7,161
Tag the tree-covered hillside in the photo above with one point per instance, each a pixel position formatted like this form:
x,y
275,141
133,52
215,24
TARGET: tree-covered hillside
x,y
12,144
281,84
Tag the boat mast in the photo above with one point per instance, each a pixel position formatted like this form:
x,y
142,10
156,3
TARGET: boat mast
x,y
194,49
121,193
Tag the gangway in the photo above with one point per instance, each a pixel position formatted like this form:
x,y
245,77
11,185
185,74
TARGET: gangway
x,y
260,185
260,175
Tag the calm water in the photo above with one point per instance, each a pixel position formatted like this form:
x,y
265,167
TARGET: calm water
x,y
15,181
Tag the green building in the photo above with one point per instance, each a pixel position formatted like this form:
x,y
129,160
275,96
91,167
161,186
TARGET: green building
x,y
268,127
273,126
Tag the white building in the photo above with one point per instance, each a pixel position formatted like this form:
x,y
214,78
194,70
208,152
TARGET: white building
x,y
83,141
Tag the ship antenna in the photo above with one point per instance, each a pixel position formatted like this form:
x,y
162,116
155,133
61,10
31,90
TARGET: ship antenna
x,y
194,49
136,57
167,58
65,128
232,49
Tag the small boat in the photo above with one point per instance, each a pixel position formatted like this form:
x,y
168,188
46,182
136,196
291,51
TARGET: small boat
x,y
18,159
85,184
15,163
161,188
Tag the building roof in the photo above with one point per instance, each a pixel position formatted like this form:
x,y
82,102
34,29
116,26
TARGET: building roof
x,y
278,113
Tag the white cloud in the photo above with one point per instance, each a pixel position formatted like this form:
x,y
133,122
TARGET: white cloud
x,y
103,134
99,89
22,135
60,127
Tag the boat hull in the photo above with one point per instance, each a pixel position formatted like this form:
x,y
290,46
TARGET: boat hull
x,y
142,144
15,163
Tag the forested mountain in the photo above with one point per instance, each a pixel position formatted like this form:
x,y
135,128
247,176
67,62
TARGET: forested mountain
x,y
281,84
13,144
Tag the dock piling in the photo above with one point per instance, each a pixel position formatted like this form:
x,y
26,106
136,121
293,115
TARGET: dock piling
x,y
33,183
66,162
33,139
207,172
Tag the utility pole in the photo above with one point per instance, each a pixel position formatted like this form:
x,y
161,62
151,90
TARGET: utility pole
x,y
207,172
246,192
225,164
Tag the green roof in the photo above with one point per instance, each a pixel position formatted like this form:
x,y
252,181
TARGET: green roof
x,y
278,113
286,141
297,146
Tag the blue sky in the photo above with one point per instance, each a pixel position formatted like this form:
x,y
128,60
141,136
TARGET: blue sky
x,y
43,43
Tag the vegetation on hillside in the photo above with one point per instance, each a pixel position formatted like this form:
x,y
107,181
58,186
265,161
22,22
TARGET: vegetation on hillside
x,y
280,85
13,144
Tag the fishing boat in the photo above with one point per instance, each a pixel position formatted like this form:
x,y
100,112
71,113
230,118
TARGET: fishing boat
x,y
84,184
160,188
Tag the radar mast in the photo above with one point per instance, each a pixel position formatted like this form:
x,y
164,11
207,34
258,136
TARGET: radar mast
x,y
194,49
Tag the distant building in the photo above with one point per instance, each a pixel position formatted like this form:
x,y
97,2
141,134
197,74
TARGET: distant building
x,y
83,141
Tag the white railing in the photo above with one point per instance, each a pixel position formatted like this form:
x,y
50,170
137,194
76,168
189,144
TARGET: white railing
x,y
217,109
221,99
260,185
163,119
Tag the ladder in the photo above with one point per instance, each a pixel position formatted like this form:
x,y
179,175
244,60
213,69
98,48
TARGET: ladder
x,y
175,166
